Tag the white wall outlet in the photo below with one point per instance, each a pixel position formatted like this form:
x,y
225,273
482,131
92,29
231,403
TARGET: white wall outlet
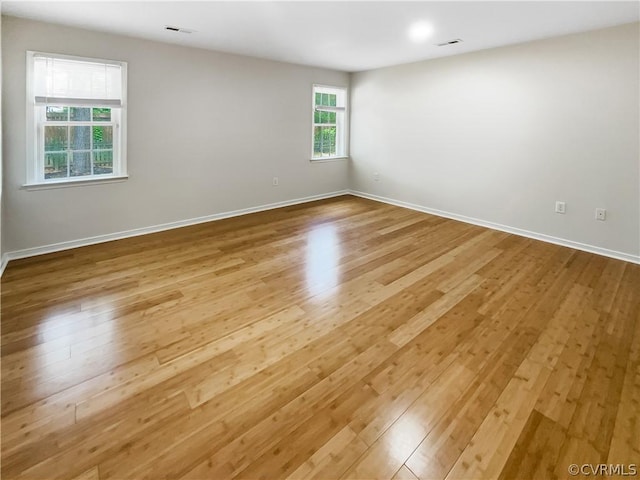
x,y
275,181
601,214
376,176
561,207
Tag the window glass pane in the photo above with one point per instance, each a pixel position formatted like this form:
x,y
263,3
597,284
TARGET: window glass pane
x,y
80,114
317,147
330,139
326,99
103,137
80,138
57,114
324,141
101,114
55,165
103,162
325,117
55,139
80,164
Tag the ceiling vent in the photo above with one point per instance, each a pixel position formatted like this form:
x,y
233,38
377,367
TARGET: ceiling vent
x,y
450,42
178,29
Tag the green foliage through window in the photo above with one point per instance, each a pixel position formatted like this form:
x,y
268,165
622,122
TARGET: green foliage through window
x,y
324,141
77,145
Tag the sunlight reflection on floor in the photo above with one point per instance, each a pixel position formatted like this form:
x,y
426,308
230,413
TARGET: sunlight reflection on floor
x,y
69,343
322,254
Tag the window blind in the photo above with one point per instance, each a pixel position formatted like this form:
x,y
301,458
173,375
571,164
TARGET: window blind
x,y
74,82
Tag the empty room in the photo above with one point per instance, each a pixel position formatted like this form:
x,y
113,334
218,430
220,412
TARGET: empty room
x,y
320,240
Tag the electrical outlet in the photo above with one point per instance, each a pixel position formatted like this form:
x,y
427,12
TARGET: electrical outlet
x,y
561,207
601,214
376,176
275,181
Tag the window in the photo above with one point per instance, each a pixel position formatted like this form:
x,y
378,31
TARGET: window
x,y
329,122
76,115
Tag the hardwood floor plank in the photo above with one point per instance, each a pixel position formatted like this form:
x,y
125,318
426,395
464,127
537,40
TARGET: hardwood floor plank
x,y
188,440
536,453
625,440
418,323
91,474
505,341
70,451
385,457
320,395
489,448
285,457
333,458
404,474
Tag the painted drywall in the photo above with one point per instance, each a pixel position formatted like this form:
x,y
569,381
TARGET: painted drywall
x,y
207,132
3,260
499,135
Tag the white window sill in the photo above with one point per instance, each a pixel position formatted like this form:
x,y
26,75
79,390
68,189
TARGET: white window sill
x,y
82,182
328,159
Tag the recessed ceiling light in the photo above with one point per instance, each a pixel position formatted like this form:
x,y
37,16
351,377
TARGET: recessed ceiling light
x,y
420,31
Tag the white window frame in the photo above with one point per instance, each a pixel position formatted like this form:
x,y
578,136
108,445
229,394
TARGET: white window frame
x,y
342,121
36,121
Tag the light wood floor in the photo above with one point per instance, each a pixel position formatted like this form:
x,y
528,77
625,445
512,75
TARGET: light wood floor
x,y
337,339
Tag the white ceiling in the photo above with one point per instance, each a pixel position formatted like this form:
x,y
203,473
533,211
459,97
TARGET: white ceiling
x,y
344,35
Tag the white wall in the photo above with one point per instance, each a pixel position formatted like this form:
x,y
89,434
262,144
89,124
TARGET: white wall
x,y
207,132
499,135
2,256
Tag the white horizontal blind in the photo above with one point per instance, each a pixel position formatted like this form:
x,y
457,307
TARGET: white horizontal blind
x,y
75,82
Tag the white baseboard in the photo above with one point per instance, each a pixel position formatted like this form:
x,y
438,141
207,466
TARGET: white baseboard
x,y
57,247
504,228
3,263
